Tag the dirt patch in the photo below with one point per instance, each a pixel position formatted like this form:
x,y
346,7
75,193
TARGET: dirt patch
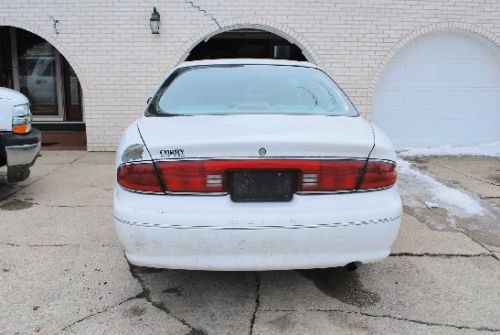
x,y
283,323
174,290
196,331
136,311
15,205
342,285
495,178
435,218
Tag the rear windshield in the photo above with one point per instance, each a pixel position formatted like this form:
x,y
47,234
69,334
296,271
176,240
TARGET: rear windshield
x,y
250,89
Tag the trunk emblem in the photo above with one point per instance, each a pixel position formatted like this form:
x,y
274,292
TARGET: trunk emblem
x,y
262,151
166,153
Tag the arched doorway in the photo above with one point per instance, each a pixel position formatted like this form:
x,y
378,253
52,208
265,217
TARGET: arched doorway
x,y
246,43
31,65
442,88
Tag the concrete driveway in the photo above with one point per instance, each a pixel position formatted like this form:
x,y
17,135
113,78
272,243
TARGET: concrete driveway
x,y
62,269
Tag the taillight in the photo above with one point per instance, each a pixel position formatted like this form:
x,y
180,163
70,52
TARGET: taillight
x,y
332,175
379,174
209,176
315,175
139,177
192,176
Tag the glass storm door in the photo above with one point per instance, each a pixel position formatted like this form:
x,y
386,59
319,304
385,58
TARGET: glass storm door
x,y
40,75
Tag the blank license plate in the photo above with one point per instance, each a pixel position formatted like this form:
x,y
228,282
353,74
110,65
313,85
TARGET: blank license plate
x,y
246,186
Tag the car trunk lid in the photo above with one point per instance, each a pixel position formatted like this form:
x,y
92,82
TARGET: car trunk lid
x,y
246,136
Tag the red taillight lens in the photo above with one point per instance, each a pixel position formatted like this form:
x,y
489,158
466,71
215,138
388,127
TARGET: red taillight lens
x,y
332,175
209,176
139,177
192,176
379,174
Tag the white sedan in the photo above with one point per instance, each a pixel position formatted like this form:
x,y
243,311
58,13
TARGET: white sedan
x,y
254,165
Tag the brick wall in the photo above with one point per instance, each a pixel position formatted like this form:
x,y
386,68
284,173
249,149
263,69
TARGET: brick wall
x,y
120,63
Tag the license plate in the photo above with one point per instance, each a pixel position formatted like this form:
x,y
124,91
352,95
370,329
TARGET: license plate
x,y
247,186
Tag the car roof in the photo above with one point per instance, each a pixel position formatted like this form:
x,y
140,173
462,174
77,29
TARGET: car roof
x,y
245,61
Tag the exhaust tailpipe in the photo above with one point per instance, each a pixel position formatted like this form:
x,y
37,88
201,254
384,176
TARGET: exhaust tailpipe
x,y
351,266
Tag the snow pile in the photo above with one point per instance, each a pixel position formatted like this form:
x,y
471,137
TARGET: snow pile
x,y
484,149
440,194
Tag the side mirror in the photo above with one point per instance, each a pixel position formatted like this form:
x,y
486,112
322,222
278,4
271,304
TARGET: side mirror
x,y
149,99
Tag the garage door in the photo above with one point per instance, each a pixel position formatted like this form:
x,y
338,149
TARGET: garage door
x,y
442,88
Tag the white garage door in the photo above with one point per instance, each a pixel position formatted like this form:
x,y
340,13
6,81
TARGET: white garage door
x,y
442,88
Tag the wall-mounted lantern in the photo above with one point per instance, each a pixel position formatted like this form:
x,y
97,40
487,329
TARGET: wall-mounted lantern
x,y
154,22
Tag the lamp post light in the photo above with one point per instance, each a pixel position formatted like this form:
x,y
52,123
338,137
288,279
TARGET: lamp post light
x,y
154,22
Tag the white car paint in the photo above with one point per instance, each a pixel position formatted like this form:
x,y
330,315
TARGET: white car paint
x,y
442,88
243,135
8,99
206,232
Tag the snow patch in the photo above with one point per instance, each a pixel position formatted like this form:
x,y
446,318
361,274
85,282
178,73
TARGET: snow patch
x,y
441,195
431,204
485,149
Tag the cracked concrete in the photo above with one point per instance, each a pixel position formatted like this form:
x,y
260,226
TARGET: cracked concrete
x,y
204,12
133,316
257,302
146,293
62,271
317,322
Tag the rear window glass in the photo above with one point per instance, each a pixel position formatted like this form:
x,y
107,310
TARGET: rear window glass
x,y
250,89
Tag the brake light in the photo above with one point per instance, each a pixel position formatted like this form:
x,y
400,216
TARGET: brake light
x,y
139,177
209,176
379,174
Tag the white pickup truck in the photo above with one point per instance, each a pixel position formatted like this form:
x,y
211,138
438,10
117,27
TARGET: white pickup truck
x,y
19,143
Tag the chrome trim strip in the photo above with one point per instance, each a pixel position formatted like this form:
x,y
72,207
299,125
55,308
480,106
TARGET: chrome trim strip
x,y
226,193
325,225
256,158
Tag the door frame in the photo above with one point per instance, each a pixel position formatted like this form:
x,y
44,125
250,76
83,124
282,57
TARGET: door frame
x,y
58,77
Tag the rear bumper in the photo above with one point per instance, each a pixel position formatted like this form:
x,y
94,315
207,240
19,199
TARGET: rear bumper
x,y
213,233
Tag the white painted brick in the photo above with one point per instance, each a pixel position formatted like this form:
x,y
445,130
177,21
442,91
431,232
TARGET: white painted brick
x,y
120,63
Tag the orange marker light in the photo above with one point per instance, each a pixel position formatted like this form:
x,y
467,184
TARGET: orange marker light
x,y
21,128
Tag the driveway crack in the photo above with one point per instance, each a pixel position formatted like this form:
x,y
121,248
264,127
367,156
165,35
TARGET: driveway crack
x,y
468,176
387,316
100,312
146,294
204,12
257,301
